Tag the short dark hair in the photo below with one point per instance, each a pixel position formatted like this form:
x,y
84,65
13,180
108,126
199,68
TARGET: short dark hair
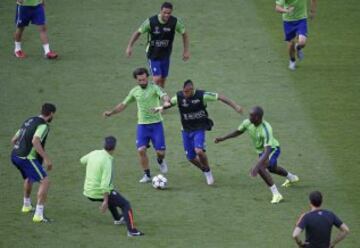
x,y
258,111
109,143
188,82
140,71
167,5
47,109
315,198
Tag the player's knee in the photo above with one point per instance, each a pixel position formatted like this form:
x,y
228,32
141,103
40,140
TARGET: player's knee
x,y
160,154
200,152
42,28
142,151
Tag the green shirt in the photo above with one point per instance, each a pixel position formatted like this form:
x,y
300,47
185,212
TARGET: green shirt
x,y
99,173
41,131
299,12
208,97
146,99
145,27
261,136
29,2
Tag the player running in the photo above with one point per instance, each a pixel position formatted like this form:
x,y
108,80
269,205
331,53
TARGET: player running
x,y
195,121
99,186
294,14
268,149
150,128
161,30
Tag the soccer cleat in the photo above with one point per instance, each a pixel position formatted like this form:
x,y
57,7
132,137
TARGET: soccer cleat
x,y
209,178
145,179
299,53
27,209
277,198
20,54
51,55
292,65
289,183
135,233
163,167
41,219
119,222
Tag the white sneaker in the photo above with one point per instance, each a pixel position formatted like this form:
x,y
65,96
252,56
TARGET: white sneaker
x,y
292,65
209,178
163,167
119,222
145,179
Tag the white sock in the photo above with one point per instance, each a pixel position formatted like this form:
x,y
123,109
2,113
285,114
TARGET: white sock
x,y
39,210
290,176
274,189
46,48
27,202
17,46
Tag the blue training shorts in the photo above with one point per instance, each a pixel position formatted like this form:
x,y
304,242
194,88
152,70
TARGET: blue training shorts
x,y
274,155
151,132
27,14
294,28
192,140
159,68
29,168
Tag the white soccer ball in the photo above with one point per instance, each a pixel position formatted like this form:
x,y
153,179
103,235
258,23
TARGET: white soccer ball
x,y
159,182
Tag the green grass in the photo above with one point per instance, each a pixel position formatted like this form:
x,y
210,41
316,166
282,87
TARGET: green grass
x,y
237,50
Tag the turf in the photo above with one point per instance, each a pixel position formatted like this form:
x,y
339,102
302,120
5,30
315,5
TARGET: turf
x,y
237,50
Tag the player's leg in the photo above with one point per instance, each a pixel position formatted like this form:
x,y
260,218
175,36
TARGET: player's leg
x,y
40,20
155,69
302,36
158,140
290,34
117,200
164,65
19,164
265,175
22,19
36,173
199,144
142,142
189,148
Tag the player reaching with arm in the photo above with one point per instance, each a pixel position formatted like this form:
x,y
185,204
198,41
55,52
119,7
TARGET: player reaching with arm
x,y
161,30
195,121
150,127
268,149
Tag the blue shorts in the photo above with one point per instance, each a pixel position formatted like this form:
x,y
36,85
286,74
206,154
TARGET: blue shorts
x,y
153,132
159,68
294,28
29,168
192,140
25,14
275,153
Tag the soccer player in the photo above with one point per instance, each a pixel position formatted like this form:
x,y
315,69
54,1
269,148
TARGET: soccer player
x,y
294,14
29,154
195,121
99,186
150,127
318,224
161,30
268,149
31,11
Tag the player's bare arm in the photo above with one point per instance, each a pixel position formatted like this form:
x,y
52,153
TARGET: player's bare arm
x,y
296,236
262,162
186,53
228,136
40,150
313,5
231,103
14,139
135,36
118,108
105,203
344,231
281,9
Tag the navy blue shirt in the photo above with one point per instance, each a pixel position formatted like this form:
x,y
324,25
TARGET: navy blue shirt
x,y
318,225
